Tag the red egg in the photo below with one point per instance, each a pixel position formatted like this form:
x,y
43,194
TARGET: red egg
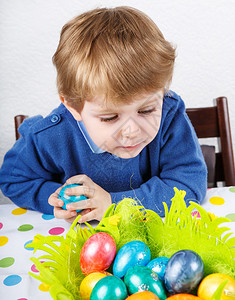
x,y
97,253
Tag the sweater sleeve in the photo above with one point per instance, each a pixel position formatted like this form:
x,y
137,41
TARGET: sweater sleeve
x,y
181,164
23,178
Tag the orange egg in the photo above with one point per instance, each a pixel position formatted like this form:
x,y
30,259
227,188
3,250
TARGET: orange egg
x,y
183,297
210,283
89,282
146,295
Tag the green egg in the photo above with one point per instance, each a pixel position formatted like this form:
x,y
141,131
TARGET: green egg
x,y
140,278
109,288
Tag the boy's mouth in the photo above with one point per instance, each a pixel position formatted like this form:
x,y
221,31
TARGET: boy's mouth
x,y
132,147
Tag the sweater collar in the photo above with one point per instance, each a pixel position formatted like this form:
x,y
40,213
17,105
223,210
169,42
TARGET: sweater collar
x,y
94,148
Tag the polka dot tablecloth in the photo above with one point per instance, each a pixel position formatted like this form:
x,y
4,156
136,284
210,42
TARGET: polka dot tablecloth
x,y
221,203
17,229
19,226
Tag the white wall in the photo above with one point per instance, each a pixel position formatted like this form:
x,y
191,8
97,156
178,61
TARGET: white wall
x,y
202,30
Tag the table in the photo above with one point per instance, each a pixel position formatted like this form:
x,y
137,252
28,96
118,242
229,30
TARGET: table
x,y
19,226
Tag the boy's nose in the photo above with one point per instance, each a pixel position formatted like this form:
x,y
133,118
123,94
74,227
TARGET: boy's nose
x,y
130,129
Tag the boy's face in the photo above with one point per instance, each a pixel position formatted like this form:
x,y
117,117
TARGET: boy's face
x,y
122,130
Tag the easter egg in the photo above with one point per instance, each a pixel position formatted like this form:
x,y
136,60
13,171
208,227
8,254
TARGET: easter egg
x,y
183,272
109,288
210,283
183,297
141,278
89,282
97,253
131,254
146,295
70,198
158,265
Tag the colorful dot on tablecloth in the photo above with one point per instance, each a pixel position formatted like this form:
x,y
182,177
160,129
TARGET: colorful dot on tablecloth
x,y
3,240
48,217
6,262
28,248
196,213
56,230
1,225
12,280
22,299
232,189
25,227
19,211
44,287
34,269
231,217
217,200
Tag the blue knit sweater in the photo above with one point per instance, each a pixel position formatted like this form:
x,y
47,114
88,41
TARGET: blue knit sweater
x,y
52,149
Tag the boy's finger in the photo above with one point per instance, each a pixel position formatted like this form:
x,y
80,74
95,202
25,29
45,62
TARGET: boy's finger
x,y
83,204
79,179
92,215
81,190
60,213
85,211
54,201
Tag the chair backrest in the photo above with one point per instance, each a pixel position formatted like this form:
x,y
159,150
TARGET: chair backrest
x,y
211,122
18,120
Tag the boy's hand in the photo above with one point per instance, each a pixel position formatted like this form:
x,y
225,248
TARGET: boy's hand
x,y
59,212
93,208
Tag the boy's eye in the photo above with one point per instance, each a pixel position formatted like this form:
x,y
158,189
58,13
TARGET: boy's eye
x,y
109,119
147,111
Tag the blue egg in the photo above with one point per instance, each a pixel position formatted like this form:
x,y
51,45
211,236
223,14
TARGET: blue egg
x,y
69,199
131,254
109,288
158,265
141,278
183,272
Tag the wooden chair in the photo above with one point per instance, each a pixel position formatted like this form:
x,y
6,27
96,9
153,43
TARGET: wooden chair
x,y
211,122
18,120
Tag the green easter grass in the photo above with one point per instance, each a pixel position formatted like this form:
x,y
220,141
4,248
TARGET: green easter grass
x,y
129,221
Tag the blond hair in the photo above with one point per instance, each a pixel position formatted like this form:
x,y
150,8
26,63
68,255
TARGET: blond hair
x,y
115,52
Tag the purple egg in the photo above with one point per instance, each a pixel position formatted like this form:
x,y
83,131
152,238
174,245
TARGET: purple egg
x,y
183,272
158,265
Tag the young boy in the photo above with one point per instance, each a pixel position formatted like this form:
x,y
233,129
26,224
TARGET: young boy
x,y
119,131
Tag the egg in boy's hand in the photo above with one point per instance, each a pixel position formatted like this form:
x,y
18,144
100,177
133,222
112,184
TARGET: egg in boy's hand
x,y
72,198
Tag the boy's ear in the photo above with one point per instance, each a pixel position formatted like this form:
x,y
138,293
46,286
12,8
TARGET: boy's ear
x,y
72,110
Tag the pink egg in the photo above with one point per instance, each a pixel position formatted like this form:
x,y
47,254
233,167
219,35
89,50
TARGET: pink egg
x,y
97,253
